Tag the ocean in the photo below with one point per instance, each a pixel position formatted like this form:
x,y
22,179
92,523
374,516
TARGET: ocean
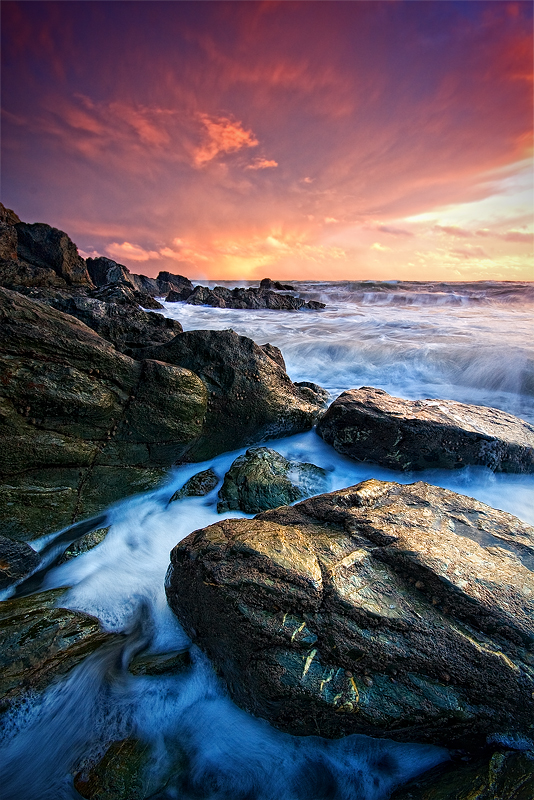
x,y
470,342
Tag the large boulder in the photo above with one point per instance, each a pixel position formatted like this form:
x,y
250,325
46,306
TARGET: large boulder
x,y
167,282
83,425
126,327
394,611
41,642
17,560
250,396
261,478
103,271
370,425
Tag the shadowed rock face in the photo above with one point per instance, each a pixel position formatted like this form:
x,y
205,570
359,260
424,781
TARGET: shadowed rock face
x,y
82,425
388,610
262,479
250,396
369,425
17,559
262,297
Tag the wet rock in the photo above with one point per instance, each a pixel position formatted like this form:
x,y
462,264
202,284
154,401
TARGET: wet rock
x,y
81,424
17,559
167,282
221,297
262,479
276,354
104,270
250,396
84,544
387,610
369,425
267,283
314,391
39,643
170,663
177,297
127,328
197,486
121,774
124,295
507,775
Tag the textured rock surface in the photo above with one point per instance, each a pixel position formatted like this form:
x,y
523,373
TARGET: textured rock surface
x,y
121,774
502,775
388,610
250,396
39,642
197,486
126,327
84,544
369,425
17,559
82,425
261,478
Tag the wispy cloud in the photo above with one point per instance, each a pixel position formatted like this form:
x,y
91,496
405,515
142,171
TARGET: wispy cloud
x,y
130,252
262,163
223,135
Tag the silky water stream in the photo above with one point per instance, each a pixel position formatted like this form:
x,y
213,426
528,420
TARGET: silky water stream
x,y
413,342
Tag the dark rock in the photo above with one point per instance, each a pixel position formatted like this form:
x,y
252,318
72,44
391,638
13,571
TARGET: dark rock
x,y
250,397
123,294
170,663
276,354
267,283
501,775
146,285
262,479
221,297
387,610
104,270
177,297
316,393
17,560
202,296
197,486
82,425
127,328
45,247
167,282
84,544
121,774
40,642
369,425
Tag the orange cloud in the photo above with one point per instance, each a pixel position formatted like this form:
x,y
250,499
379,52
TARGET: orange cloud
x,y
130,252
262,163
223,136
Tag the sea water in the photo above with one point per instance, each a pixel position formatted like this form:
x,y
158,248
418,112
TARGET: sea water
x,y
466,342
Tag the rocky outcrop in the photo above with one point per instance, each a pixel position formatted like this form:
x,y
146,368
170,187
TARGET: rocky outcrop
x,y
167,282
221,297
267,283
250,397
40,642
387,610
261,478
369,425
38,255
17,560
83,425
123,294
127,327
198,485
104,270
85,543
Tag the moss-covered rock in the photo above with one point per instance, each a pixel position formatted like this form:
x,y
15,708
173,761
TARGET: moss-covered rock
x,y
40,642
262,479
198,485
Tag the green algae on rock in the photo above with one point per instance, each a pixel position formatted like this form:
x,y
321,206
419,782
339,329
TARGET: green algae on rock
x,y
261,479
40,642
388,610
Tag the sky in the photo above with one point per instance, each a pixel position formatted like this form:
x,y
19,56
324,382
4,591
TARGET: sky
x,y
296,140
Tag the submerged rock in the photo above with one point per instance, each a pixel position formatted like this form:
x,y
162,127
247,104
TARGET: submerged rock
x,y
502,775
40,642
387,610
369,425
170,663
84,544
262,479
17,560
197,486
121,774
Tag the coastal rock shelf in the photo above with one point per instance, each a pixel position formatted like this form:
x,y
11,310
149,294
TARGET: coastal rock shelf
x,y
388,610
368,424
84,425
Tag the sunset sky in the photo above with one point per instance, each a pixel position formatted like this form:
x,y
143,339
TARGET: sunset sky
x,y
299,140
